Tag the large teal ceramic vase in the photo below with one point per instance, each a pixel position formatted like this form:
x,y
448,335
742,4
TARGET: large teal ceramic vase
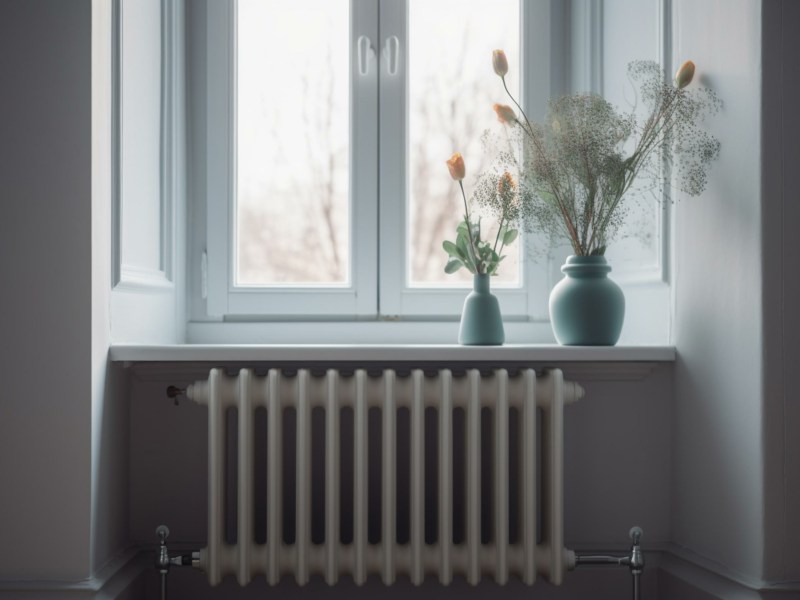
x,y
481,322
586,307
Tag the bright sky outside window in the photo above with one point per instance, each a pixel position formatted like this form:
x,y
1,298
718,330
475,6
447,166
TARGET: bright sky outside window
x,y
451,91
292,210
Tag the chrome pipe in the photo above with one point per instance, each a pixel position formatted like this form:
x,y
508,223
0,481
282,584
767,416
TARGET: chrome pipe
x,y
634,560
162,559
637,590
582,560
191,559
163,585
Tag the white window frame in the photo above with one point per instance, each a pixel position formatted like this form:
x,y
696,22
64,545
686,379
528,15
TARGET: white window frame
x,y
378,286
224,298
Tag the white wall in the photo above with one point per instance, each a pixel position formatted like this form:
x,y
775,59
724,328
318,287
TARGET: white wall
x,y
63,414
46,267
109,396
147,304
717,449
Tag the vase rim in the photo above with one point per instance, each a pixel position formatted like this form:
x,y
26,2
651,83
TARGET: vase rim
x,y
575,259
587,265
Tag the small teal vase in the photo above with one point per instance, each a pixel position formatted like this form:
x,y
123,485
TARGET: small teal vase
x,y
481,322
586,307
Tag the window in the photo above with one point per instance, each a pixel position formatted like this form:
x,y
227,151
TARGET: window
x,y
328,123
319,131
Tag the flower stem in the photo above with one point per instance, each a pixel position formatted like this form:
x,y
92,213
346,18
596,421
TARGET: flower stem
x,y
469,230
522,112
497,237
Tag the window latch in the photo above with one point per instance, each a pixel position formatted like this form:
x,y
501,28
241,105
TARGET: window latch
x,y
204,275
391,51
365,53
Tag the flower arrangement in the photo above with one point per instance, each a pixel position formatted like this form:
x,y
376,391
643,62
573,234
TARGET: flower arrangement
x,y
469,250
574,173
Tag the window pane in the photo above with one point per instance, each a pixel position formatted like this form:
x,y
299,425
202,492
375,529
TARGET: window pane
x,y
292,207
452,88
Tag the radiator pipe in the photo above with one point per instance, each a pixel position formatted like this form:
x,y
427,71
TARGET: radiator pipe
x,y
175,392
191,559
162,558
634,560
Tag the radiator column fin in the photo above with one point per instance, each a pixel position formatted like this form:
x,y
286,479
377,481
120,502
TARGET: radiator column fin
x,y
274,475
332,478
501,478
216,476
528,477
521,403
417,477
244,538
303,457
446,478
360,480
555,464
389,493
473,443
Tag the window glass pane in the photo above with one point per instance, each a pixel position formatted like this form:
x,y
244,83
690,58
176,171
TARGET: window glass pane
x,y
636,246
452,88
292,211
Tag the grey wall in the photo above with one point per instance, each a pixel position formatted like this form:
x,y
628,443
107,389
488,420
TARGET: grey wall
x,y
46,269
711,464
63,429
717,449
781,287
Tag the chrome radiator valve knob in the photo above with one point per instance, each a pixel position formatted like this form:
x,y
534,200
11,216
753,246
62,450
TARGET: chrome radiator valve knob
x,y
162,559
637,556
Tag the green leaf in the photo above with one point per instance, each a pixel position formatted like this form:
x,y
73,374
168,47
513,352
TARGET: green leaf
x,y
462,244
598,251
452,266
463,252
462,227
450,248
509,236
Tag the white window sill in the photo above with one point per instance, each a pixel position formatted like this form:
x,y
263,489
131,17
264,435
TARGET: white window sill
x,y
388,353
581,363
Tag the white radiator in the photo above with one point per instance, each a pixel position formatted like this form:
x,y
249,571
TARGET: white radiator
x,y
534,552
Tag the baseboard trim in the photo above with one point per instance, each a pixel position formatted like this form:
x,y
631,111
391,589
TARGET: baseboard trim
x,y
717,581
122,565
706,579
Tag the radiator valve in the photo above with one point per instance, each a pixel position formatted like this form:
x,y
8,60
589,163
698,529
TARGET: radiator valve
x,y
634,560
162,559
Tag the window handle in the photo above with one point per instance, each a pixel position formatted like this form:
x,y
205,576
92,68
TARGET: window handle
x,y
365,53
391,51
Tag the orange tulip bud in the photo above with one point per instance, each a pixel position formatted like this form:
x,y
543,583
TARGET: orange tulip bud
x,y
505,114
684,75
500,62
456,166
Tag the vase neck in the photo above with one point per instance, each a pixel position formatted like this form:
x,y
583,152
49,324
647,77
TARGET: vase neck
x,y
480,283
586,266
